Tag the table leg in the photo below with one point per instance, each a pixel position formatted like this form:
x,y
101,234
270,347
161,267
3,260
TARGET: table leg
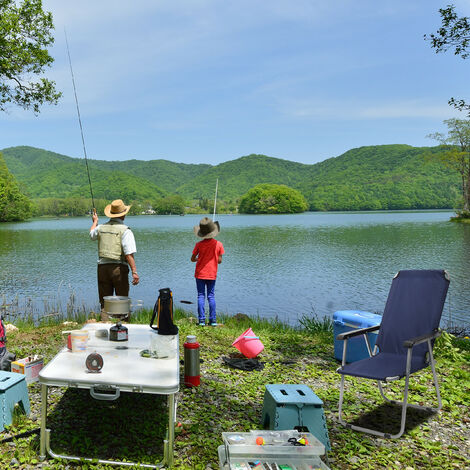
x,y
171,428
42,446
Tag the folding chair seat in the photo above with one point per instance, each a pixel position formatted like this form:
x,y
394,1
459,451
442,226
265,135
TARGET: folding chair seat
x,y
406,337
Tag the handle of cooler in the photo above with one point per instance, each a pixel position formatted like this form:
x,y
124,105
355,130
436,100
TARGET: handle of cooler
x,y
104,396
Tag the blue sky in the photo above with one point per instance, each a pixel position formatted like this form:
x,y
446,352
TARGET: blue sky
x,y
212,80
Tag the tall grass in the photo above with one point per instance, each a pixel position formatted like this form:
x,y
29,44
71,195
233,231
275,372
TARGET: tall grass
x,y
313,324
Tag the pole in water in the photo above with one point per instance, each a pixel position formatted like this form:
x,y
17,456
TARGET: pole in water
x,y
79,120
215,199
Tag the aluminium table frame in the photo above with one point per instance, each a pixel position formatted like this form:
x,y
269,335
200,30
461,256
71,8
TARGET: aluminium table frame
x,y
116,388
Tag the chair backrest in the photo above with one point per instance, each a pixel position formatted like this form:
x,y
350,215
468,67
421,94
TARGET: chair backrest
x,y
414,308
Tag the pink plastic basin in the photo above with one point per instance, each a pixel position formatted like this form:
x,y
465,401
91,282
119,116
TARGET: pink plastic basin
x,y
248,344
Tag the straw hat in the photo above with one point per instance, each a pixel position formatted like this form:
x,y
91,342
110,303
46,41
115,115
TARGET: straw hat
x,y
207,228
116,209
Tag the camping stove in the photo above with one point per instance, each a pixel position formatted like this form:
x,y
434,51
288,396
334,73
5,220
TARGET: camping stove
x,y
117,307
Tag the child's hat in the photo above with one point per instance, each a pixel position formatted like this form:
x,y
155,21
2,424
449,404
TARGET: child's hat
x,y
207,228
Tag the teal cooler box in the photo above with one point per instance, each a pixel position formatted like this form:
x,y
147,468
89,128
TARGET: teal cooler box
x,y
347,320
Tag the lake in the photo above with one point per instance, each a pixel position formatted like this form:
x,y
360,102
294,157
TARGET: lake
x,y
280,266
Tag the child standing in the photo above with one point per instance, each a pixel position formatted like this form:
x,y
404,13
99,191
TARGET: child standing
x,y
208,255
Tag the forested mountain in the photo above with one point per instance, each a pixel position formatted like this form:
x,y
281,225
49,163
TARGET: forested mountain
x,y
382,177
374,177
165,174
236,177
47,174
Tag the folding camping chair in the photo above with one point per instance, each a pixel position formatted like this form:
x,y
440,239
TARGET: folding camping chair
x,y
410,319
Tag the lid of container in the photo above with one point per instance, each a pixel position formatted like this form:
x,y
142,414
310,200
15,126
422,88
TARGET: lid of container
x,y
191,339
293,394
357,318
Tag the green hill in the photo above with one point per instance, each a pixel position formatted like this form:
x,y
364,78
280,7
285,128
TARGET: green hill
x,y
162,173
381,177
236,177
51,175
374,177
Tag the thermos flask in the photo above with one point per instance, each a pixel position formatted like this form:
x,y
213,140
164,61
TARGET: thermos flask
x,y
191,362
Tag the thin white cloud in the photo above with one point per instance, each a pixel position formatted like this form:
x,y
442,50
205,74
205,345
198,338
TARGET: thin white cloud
x,y
339,110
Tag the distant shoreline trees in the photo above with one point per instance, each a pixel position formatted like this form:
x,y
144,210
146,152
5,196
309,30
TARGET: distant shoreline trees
x,y
14,205
457,156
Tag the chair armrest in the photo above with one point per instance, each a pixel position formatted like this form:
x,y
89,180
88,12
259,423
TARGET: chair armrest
x,y
409,343
362,331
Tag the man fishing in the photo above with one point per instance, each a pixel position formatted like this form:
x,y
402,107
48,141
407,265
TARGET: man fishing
x,y
116,248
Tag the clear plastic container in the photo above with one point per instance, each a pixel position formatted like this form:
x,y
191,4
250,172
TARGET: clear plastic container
x,y
272,462
163,346
266,443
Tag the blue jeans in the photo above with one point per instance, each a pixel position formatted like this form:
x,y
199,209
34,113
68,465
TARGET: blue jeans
x,y
201,285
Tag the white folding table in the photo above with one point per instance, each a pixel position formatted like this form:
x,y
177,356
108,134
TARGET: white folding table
x,y
124,370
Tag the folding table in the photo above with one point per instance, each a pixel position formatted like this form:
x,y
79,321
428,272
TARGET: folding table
x,y
124,370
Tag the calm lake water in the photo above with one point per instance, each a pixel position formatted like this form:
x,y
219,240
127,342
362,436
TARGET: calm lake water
x,y
275,265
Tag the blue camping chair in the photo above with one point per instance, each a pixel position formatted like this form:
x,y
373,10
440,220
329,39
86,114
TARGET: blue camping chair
x,y
410,323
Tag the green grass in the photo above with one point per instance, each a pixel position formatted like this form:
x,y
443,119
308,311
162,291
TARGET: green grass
x,y
231,400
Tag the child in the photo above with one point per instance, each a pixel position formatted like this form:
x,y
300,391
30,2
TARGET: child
x,y
208,255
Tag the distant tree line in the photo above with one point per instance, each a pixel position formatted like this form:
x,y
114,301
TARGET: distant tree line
x,y
14,205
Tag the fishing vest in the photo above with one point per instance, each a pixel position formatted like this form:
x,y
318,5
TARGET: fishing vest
x,y
109,240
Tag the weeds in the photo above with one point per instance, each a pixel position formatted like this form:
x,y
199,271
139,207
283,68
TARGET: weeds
x,y
315,325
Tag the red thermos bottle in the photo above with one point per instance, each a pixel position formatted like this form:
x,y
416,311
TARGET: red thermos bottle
x,y
192,376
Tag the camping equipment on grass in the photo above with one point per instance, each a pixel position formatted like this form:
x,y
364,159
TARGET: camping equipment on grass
x,y
13,390
29,367
289,406
271,450
347,320
409,327
6,357
192,377
163,311
248,344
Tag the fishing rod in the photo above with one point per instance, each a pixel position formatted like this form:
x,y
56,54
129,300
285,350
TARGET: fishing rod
x,y
215,199
79,120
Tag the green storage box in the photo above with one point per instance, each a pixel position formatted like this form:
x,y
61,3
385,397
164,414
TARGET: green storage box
x,y
288,406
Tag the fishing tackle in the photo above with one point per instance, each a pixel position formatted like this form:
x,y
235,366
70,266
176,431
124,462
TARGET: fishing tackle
x,y
79,120
215,199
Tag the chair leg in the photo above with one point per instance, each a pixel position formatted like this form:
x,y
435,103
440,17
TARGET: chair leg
x,y
436,386
373,431
340,406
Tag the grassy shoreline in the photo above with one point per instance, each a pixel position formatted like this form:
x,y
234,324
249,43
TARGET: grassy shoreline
x,y
231,400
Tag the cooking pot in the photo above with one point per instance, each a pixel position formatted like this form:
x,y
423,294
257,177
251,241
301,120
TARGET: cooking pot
x,y
117,305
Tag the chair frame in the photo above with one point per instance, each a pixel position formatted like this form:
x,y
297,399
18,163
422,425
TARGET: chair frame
x,y
408,344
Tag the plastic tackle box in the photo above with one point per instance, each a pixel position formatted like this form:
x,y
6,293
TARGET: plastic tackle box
x,y
270,450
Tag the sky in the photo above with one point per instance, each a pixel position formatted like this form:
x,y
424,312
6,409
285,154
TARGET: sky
x,y
207,81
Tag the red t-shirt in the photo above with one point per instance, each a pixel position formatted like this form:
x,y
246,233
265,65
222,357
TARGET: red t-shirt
x,y
208,252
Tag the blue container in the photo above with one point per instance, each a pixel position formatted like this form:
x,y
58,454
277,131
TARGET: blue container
x,y
347,320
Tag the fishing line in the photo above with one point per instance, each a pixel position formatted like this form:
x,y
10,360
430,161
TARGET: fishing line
x,y
79,119
215,199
